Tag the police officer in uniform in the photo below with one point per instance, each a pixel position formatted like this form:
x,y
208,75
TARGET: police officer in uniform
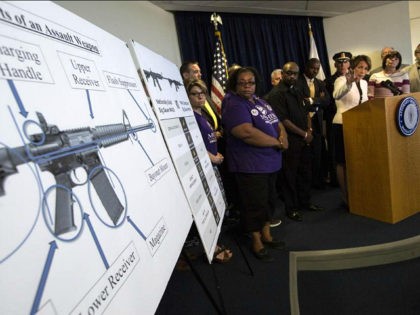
x,y
342,65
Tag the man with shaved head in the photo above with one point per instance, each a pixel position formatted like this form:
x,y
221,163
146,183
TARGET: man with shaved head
x,y
290,105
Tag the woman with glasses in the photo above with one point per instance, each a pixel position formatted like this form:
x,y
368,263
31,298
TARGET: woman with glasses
x,y
197,94
390,81
197,90
254,141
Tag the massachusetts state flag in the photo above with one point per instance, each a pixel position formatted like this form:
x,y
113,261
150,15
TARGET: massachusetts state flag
x,y
313,53
219,73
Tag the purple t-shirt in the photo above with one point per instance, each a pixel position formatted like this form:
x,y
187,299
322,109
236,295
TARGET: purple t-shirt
x,y
243,157
209,137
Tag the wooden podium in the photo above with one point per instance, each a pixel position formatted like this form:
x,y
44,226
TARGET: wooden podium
x,y
383,166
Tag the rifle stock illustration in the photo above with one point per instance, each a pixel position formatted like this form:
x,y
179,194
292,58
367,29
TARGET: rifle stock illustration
x,y
157,76
61,153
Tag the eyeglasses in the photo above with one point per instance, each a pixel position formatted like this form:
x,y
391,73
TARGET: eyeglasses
x,y
291,72
198,94
249,83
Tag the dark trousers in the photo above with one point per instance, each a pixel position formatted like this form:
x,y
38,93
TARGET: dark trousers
x,y
319,160
228,180
257,194
297,171
331,152
229,184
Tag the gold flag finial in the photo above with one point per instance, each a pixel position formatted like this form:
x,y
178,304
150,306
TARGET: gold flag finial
x,y
216,19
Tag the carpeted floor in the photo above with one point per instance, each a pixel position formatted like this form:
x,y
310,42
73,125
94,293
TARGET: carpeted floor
x,y
391,289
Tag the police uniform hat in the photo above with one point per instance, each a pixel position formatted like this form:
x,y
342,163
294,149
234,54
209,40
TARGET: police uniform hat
x,y
342,56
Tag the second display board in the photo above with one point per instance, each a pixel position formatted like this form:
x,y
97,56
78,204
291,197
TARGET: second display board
x,y
185,143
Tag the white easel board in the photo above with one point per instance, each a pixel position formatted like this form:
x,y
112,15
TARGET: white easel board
x,y
184,141
94,215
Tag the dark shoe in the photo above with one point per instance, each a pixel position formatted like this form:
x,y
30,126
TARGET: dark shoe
x,y
295,215
313,207
334,183
232,214
274,244
319,186
344,205
230,221
275,222
263,255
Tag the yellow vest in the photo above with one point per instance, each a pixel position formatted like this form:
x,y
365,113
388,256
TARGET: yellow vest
x,y
212,114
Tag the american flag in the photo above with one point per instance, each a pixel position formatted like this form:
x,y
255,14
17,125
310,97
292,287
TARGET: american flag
x,y
219,73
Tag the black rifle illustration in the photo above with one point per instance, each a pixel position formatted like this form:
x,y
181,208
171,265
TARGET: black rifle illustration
x,y
61,153
174,82
157,76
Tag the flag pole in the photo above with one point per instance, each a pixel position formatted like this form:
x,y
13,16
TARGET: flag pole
x,y
216,19
313,51
219,70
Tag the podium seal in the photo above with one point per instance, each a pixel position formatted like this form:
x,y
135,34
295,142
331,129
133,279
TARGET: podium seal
x,y
408,116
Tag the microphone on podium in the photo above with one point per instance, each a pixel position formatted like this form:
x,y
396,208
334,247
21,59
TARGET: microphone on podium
x,y
390,86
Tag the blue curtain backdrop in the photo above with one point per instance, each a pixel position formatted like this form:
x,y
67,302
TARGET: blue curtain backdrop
x,y
265,42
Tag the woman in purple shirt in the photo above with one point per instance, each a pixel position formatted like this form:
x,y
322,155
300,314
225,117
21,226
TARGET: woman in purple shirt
x,y
197,90
255,139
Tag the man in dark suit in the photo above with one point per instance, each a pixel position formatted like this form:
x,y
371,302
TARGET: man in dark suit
x,y
291,106
319,99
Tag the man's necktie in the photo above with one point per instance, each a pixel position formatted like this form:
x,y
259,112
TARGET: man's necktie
x,y
311,94
311,89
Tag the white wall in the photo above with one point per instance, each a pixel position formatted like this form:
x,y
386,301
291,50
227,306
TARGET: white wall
x,y
368,31
414,25
363,32
141,21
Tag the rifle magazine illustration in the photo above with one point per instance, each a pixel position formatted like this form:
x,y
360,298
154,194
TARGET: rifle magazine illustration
x,y
62,152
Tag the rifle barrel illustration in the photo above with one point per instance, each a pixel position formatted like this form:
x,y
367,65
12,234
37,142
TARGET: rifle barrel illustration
x,y
157,76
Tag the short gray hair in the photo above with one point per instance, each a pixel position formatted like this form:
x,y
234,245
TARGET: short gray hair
x,y
276,71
